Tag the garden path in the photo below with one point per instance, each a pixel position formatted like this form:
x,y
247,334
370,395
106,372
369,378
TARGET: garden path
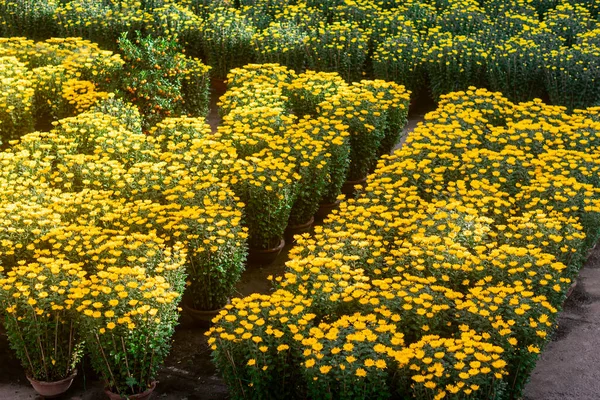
x,y
569,367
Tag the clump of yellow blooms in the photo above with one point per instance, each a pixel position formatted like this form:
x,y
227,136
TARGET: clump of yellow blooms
x,y
35,297
16,100
311,88
48,80
293,135
444,276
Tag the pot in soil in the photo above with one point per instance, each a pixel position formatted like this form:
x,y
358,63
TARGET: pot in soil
x,y
349,186
145,395
326,209
52,389
201,318
292,230
218,85
265,256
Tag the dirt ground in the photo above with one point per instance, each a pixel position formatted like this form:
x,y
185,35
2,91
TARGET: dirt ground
x,y
569,368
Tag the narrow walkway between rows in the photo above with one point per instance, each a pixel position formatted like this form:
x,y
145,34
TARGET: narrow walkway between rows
x,y
569,367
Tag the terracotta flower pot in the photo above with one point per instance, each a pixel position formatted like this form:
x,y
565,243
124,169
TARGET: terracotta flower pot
x,y
218,85
264,256
326,209
292,230
52,389
145,395
202,318
348,188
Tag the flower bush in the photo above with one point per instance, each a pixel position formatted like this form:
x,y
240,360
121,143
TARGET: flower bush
x,y
39,316
400,59
260,347
311,88
373,118
454,62
339,47
160,81
282,43
128,314
227,40
267,184
16,104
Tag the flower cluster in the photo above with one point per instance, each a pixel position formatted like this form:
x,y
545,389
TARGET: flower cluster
x,y
299,137
49,80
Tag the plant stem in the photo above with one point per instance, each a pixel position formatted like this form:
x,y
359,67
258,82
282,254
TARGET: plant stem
x,y
230,358
56,339
143,362
40,343
125,354
70,347
24,347
107,364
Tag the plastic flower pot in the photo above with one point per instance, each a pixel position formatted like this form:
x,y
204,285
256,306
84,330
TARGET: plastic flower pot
x,y
52,389
265,256
326,209
201,318
292,230
145,395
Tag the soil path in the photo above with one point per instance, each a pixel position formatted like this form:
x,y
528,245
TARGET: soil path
x,y
569,367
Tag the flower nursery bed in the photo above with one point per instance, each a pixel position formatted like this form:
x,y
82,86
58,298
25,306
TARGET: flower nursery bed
x,y
443,277
525,49
128,207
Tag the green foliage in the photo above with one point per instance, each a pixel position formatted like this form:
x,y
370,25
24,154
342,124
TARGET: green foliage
x,y
149,78
160,80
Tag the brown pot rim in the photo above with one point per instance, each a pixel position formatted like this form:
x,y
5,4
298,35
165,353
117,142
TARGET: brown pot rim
x,y
302,226
137,395
278,248
46,383
335,203
356,182
205,312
